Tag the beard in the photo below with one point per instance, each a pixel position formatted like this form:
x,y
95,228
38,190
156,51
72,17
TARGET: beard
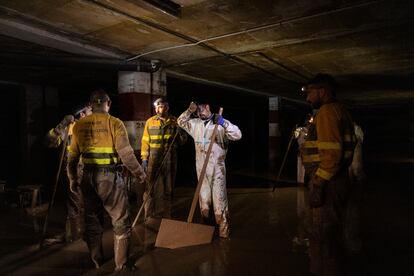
x,y
161,114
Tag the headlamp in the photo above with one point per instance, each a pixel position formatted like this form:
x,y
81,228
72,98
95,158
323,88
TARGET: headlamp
x,y
160,101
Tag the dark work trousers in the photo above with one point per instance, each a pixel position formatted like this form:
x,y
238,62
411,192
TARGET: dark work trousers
x,y
326,243
104,189
158,201
74,200
75,209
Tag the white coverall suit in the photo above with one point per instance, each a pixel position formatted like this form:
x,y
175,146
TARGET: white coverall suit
x,y
213,189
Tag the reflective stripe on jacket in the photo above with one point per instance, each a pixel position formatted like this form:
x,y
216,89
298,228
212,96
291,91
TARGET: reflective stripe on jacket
x,y
330,142
94,139
158,135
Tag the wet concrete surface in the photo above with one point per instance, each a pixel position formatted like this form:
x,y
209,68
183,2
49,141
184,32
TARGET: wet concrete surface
x,y
263,225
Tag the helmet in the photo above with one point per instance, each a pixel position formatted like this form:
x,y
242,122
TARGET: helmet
x,y
80,108
160,101
323,80
99,96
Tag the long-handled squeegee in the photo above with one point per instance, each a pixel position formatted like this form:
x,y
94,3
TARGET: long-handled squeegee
x,y
174,233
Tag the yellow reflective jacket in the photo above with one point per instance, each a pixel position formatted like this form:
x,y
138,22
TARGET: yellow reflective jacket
x,y
94,139
159,134
98,140
330,141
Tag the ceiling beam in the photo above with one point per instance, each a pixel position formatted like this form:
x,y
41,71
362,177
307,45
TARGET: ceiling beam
x,y
186,77
78,62
17,25
185,37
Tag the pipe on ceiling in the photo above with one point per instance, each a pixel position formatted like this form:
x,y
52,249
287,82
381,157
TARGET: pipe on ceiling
x,y
150,66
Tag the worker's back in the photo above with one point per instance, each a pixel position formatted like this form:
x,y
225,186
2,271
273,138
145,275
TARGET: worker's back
x,y
97,139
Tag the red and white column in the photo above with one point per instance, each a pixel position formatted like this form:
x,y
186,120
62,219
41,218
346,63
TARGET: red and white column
x,y
274,134
137,91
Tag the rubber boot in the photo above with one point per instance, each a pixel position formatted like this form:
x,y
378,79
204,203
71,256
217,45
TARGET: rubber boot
x,y
207,217
96,251
121,252
224,229
68,231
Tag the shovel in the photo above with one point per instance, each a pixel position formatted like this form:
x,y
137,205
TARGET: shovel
x,y
173,233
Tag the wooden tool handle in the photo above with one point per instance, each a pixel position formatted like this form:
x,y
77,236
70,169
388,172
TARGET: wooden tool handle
x,y
203,171
151,185
52,200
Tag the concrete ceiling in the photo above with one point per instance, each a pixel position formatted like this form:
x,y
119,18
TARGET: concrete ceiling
x,y
259,46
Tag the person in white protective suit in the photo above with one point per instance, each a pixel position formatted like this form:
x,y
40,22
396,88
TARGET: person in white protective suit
x,y
301,241
213,188
356,170
357,175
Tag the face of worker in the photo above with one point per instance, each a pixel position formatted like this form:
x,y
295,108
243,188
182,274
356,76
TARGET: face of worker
x,y
161,109
314,95
203,111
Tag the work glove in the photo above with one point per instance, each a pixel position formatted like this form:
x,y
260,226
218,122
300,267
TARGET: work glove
x,y
145,165
193,107
74,187
316,193
67,120
219,120
141,177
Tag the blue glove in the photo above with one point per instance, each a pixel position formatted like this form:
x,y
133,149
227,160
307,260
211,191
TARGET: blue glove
x,y
145,165
219,120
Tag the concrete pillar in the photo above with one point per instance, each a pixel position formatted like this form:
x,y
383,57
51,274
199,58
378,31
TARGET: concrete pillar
x,y
274,134
137,91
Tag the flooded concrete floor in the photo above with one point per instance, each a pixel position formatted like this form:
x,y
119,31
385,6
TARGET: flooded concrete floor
x,y
263,225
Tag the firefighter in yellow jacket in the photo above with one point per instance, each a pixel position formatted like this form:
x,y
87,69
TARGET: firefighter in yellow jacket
x,y
74,202
100,142
326,155
160,139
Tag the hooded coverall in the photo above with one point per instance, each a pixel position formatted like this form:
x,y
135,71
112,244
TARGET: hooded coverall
x,y
301,199
213,188
327,154
74,201
99,140
357,175
158,135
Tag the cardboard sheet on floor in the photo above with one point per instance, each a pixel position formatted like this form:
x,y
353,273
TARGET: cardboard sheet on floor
x,y
174,234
